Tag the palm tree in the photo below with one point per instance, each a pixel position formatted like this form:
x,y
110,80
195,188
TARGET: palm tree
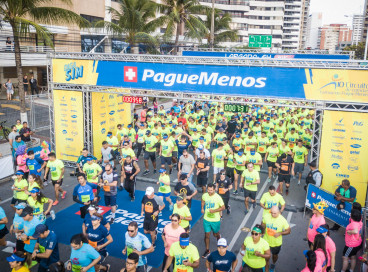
x,y
25,15
222,29
136,20
180,14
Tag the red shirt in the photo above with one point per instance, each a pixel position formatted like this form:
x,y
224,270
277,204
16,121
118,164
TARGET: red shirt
x,y
143,116
182,120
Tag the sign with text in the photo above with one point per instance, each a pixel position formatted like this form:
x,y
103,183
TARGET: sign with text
x,y
315,195
133,99
344,151
236,108
260,41
69,124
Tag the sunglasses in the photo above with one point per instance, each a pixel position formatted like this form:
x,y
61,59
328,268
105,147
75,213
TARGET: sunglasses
x,y
174,220
222,174
125,145
108,170
255,233
130,230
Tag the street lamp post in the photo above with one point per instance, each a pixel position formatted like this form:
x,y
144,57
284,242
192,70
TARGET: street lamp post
x,y
212,34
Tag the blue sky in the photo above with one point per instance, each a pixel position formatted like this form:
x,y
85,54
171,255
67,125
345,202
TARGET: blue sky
x,y
334,10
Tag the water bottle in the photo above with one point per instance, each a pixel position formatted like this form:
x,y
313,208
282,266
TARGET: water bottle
x,y
52,213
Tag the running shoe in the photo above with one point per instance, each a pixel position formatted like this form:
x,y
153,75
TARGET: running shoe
x,y
272,268
241,190
287,191
228,210
132,199
170,171
107,268
299,182
268,180
277,178
205,254
121,188
171,207
55,203
112,220
64,194
45,184
154,171
246,211
146,172
254,205
221,218
273,175
235,192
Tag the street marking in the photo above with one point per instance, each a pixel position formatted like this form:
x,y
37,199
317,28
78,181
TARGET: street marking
x,y
8,250
237,233
288,220
6,200
149,268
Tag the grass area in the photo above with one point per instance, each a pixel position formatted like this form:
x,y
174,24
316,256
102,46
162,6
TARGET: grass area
x,y
2,133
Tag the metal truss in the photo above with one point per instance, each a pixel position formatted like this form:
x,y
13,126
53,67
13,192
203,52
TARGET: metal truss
x,y
198,60
317,134
87,102
339,106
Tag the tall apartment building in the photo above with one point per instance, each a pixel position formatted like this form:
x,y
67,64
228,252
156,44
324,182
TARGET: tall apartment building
x,y
365,24
332,35
358,22
285,20
313,25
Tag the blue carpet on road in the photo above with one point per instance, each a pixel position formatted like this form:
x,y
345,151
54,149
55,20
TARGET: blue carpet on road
x,y
68,223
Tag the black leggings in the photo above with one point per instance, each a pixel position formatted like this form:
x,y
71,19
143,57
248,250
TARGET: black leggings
x,y
129,186
226,201
139,149
164,263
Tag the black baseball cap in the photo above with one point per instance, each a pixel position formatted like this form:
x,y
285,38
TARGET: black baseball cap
x,y
27,210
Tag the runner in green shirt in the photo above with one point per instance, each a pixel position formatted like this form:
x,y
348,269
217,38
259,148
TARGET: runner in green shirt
x,y
166,149
249,179
255,158
150,142
212,204
56,167
271,158
92,170
239,159
183,211
19,187
164,190
218,160
300,159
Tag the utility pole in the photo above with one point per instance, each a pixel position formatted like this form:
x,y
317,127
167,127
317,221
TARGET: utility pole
x,y
212,34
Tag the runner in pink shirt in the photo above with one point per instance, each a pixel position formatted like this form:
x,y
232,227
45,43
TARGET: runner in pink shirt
x,y
311,265
316,221
22,156
330,247
353,240
171,234
319,247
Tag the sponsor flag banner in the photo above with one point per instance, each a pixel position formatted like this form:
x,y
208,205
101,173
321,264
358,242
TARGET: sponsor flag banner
x,y
315,195
69,125
282,82
242,55
108,110
343,152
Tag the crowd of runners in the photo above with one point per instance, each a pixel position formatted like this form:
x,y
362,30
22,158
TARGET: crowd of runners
x,y
186,143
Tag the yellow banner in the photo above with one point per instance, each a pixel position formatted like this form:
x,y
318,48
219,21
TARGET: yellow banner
x,y
336,85
69,136
108,110
343,152
75,71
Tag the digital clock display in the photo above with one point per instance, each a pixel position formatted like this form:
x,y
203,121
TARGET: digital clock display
x,y
133,99
236,108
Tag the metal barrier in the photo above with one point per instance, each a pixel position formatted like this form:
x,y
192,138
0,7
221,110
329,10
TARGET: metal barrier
x,y
33,49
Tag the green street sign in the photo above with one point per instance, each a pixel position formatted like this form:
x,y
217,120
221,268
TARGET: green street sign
x,y
260,40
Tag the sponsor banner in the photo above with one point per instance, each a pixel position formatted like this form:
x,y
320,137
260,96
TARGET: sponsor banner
x,y
69,125
315,195
344,152
68,222
108,111
37,150
314,84
264,55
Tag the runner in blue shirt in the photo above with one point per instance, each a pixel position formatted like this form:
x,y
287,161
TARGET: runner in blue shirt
x,y
83,159
17,227
92,209
99,238
222,259
139,243
183,144
4,230
83,194
83,255
30,223
47,247
35,164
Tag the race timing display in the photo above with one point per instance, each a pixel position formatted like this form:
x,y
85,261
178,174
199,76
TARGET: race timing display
x,y
133,99
236,108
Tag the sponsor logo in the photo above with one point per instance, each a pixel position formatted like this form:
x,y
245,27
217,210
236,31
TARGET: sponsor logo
x,y
63,98
103,131
69,139
337,144
112,120
356,146
342,175
112,112
354,152
338,130
64,125
203,78
339,137
357,131
336,157
65,105
120,110
103,114
72,71
340,123
74,116
63,120
111,96
102,123
73,111
358,124
353,159
335,81
336,150
356,139
313,194
64,131
73,99
335,165
130,74
74,121
74,133
353,168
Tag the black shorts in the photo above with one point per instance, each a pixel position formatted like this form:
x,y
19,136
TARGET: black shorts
x,y
166,160
150,155
351,251
250,269
150,225
83,211
239,172
15,201
284,178
54,182
110,200
250,194
275,250
202,181
271,164
4,231
175,154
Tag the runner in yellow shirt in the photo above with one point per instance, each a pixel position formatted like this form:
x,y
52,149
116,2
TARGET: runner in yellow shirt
x,y
255,158
250,179
183,211
164,190
92,170
276,227
270,199
255,250
300,159
271,158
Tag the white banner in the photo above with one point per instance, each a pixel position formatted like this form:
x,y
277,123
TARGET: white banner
x,y
6,166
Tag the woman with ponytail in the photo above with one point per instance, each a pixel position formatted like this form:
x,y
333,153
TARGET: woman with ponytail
x,y
20,261
36,200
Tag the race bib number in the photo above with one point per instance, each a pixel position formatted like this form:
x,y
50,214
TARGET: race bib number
x,y
181,270
291,145
106,188
31,167
148,208
248,148
76,267
261,149
201,165
222,191
129,250
85,198
284,167
210,215
92,244
271,232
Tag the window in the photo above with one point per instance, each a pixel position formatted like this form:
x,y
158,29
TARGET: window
x,y
118,45
89,42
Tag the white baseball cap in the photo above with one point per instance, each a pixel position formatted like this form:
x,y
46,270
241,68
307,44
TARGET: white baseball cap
x,y
222,242
200,147
150,190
